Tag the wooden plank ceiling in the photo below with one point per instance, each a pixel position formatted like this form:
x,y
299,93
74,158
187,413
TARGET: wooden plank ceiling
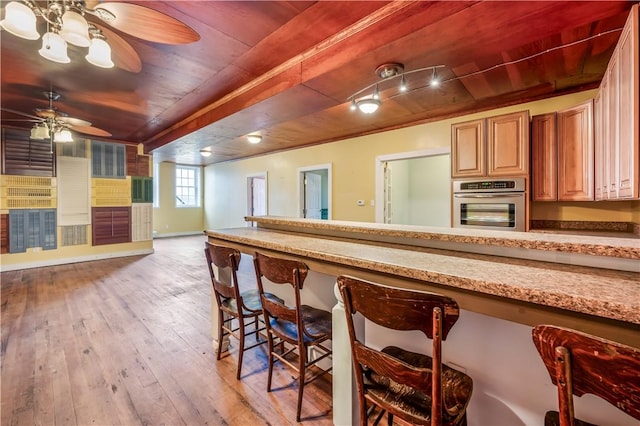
x,y
287,69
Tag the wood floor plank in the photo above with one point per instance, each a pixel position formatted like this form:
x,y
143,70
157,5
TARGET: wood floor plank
x,y
128,341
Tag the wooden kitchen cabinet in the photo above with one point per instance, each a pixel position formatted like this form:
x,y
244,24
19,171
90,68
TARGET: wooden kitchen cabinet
x,y
576,153
508,145
468,149
491,147
544,151
617,124
562,146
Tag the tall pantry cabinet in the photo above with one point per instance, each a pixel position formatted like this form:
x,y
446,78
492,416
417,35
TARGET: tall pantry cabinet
x,y
617,127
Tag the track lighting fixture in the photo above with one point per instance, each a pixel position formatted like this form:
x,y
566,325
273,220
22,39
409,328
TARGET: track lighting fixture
x,y
368,105
65,24
434,79
387,72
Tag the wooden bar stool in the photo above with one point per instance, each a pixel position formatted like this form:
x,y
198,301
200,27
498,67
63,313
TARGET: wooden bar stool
x,y
233,304
414,387
580,363
300,326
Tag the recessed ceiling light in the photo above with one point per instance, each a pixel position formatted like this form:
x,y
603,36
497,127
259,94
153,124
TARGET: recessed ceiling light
x,y
254,138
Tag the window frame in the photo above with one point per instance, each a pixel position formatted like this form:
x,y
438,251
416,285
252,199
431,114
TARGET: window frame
x,y
196,186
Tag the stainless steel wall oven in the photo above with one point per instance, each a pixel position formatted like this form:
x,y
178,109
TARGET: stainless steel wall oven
x,y
497,204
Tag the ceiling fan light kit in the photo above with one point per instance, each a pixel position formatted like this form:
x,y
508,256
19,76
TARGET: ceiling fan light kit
x,y
388,72
63,26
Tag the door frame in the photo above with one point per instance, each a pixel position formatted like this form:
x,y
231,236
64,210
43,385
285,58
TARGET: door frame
x,y
301,171
382,159
249,205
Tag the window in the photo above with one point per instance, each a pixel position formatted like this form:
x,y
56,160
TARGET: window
x,y
187,186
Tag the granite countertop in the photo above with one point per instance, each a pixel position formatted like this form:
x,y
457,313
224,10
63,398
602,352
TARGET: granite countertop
x,y
609,245
594,291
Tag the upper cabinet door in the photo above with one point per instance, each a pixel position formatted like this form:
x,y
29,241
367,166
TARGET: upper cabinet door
x,y
576,153
628,159
544,154
467,149
508,144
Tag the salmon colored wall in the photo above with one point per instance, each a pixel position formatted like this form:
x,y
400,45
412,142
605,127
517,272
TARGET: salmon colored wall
x,y
353,168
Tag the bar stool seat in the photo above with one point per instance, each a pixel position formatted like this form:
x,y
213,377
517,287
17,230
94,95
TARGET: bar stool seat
x,y
413,403
316,323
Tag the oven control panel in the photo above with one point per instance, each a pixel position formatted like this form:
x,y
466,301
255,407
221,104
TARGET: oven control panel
x,y
496,185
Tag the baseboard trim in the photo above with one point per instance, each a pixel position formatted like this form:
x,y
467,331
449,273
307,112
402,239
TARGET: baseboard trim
x,y
54,262
177,234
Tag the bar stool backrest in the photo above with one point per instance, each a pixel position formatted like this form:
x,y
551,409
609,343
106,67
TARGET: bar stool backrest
x,y
399,309
580,363
223,257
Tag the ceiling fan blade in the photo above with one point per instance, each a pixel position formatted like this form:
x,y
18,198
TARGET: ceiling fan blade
x,y
22,120
147,24
123,55
74,121
13,111
90,130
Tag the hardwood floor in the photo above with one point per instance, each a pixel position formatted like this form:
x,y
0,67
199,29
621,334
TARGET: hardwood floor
x,y
127,341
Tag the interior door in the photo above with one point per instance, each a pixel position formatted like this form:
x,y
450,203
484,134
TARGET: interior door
x,y
312,196
257,197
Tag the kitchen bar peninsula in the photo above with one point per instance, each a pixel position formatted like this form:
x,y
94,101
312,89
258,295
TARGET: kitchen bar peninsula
x,y
490,274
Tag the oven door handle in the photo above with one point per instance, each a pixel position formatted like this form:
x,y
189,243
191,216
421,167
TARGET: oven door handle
x,y
501,195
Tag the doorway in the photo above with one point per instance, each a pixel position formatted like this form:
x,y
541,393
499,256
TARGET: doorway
x,y
414,188
314,189
256,195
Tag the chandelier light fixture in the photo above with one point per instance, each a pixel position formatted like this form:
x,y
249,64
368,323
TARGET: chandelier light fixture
x,y
65,24
389,72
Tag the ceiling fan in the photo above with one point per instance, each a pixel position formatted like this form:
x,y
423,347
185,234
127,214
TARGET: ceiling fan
x,y
87,24
55,125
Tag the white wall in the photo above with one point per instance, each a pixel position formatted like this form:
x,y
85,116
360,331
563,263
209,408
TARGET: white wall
x,y
511,385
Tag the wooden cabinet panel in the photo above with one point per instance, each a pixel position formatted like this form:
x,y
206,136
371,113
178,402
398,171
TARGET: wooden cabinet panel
x,y
111,225
468,149
26,157
32,228
575,153
4,233
508,144
137,165
628,158
599,146
141,189
617,124
544,152
108,160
